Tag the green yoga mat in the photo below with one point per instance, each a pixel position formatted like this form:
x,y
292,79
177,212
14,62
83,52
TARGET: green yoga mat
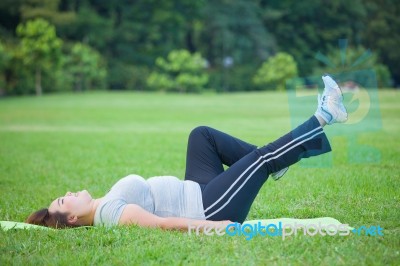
x,y
327,222
7,225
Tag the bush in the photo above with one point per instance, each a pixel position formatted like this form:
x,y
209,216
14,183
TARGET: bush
x,y
86,68
181,71
274,72
353,60
137,78
235,78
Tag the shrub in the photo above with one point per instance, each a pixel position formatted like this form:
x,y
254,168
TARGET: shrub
x,y
355,59
274,72
86,67
180,71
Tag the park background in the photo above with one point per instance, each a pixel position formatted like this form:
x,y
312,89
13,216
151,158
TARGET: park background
x,y
189,46
122,83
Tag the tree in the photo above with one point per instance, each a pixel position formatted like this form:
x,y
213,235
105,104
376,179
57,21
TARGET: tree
x,y
274,72
224,35
181,71
352,59
4,60
131,35
382,33
46,9
86,67
40,48
233,31
302,28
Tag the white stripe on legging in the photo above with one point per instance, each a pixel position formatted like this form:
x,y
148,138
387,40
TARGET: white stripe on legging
x,y
258,160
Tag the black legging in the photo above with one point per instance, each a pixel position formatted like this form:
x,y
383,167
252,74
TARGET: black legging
x,y
229,194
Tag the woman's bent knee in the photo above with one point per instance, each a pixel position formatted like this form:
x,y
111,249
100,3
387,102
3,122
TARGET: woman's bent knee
x,y
200,130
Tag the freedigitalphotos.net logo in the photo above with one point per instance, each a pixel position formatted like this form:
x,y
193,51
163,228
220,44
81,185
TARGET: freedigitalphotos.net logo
x,y
368,231
284,230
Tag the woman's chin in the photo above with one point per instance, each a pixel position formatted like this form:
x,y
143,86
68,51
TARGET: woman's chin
x,y
86,194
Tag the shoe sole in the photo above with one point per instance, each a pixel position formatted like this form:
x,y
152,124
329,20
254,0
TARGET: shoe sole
x,y
341,95
277,175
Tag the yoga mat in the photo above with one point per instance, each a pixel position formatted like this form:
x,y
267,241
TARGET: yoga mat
x,y
7,225
322,222
327,223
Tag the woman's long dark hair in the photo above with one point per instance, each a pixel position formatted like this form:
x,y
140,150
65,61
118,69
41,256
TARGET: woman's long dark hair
x,y
56,220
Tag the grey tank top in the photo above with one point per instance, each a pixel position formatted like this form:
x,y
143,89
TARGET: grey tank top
x,y
164,196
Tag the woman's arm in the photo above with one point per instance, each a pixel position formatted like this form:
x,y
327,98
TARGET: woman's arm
x,y
134,214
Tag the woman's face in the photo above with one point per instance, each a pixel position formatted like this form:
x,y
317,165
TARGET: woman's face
x,y
76,204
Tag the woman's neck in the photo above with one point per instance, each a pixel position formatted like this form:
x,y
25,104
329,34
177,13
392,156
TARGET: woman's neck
x,y
89,219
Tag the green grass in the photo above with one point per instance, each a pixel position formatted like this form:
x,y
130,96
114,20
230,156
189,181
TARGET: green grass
x,y
56,143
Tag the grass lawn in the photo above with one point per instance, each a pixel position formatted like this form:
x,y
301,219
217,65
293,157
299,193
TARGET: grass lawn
x,y
56,143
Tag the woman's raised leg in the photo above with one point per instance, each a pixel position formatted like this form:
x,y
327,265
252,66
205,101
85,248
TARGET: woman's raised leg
x,y
231,194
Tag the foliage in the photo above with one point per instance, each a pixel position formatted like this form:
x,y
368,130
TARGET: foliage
x,y
4,56
4,61
46,9
18,77
350,59
180,71
274,72
382,34
86,67
235,78
224,35
131,35
122,76
40,47
302,28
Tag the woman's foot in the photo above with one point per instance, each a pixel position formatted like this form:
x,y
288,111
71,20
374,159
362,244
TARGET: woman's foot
x,y
330,104
330,110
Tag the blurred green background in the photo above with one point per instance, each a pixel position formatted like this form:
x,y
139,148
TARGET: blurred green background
x,y
189,46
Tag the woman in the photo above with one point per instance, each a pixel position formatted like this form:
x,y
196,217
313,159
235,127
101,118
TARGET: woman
x,y
209,194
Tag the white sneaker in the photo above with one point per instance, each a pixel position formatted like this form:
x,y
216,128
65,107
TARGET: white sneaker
x,y
279,174
330,104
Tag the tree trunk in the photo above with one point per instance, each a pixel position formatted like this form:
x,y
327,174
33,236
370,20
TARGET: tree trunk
x,y
78,84
38,82
189,40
